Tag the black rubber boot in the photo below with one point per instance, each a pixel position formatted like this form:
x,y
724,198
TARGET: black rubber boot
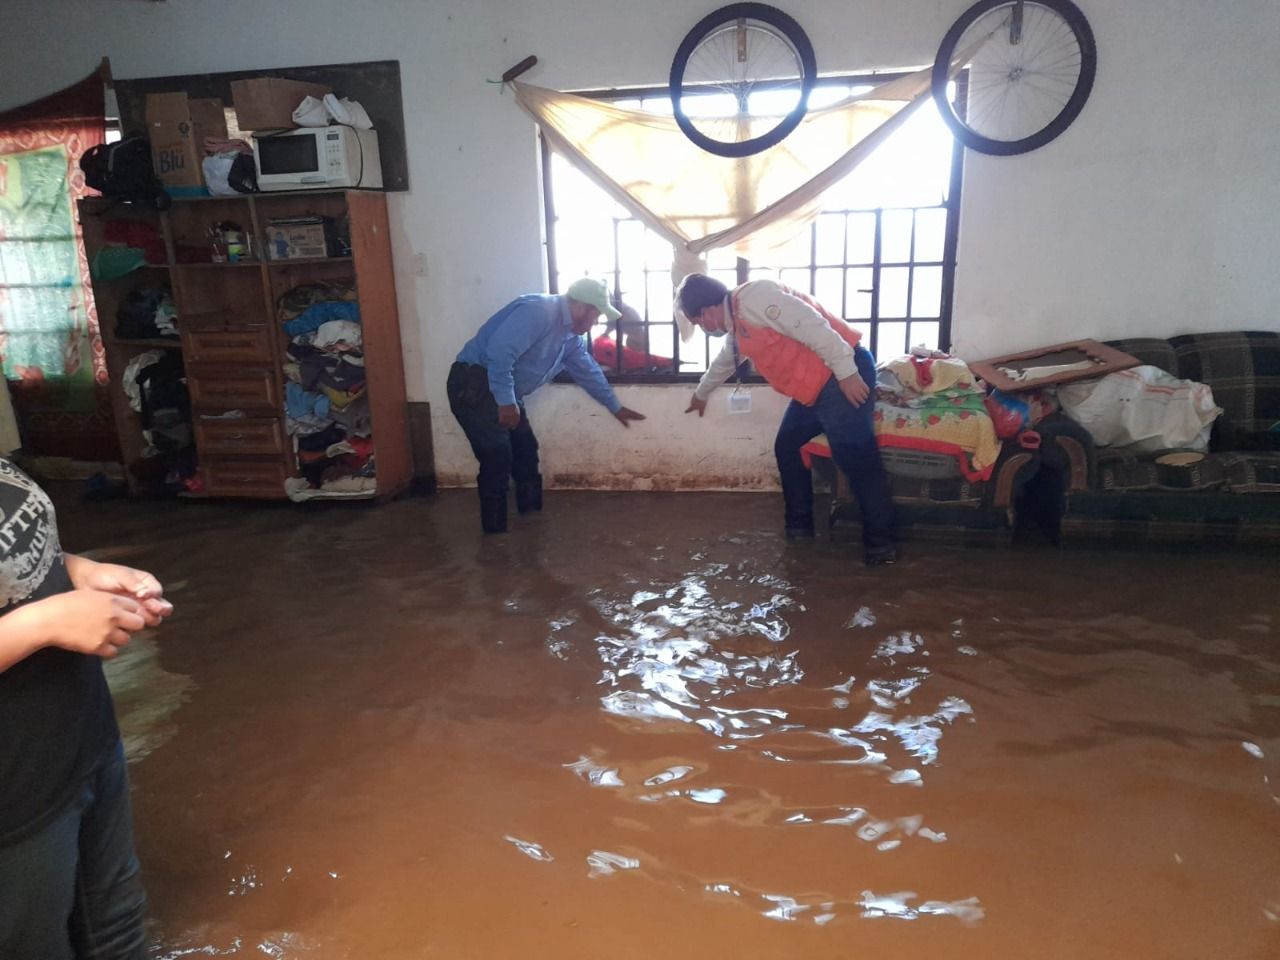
x,y
529,495
880,557
493,514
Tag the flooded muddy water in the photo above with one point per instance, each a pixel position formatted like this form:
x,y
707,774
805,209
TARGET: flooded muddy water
x,y
645,725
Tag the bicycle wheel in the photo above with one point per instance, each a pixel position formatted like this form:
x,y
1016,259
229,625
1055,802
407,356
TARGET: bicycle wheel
x,y
741,78
1030,71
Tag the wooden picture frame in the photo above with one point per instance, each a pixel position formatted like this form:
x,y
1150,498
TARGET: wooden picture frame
x,y
1058,361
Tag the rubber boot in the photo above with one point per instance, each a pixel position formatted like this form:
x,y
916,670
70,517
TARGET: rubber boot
x,y
529,495
493,514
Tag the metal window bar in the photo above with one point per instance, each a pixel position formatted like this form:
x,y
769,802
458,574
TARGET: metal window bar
x,y
950,203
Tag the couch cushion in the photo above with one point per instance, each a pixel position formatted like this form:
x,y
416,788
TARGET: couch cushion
x,y
936,522
1138,518
1125,472
1244,371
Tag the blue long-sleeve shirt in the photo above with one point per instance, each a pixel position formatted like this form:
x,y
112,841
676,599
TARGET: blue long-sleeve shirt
x,y
529,341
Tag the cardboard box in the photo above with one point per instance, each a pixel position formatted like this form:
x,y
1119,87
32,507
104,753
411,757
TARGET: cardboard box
x,y
267,103
299,238
177,126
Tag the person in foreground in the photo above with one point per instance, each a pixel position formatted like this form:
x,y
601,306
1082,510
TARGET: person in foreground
x,y
517,350
815,359
69,881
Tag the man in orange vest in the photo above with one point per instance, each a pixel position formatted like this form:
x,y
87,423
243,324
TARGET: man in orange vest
x,y
814,358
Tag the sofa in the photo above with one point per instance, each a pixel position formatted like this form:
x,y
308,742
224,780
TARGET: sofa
x,y
948,509
1231,496
951,478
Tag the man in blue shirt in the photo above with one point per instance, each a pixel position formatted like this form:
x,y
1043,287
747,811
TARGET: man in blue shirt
x,y
519,348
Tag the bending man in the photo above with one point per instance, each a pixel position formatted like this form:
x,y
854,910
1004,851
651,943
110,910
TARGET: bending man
x,y
814,358
517,350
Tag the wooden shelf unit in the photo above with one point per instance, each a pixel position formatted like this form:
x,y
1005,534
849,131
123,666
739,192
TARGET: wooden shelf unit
x,y
233,345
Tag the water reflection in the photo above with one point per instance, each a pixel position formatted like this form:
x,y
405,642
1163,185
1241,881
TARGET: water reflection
x,y
713,652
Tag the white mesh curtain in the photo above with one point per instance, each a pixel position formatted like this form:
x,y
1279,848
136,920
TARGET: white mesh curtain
x,y
699,201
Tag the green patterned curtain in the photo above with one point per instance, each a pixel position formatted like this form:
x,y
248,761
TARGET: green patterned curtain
x,y
50,349
43,313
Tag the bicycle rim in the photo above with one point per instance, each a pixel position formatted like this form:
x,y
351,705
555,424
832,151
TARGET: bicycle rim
x,y
740,82
1025,83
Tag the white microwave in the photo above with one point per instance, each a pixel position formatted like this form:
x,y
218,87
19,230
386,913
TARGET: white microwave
x,y
314,157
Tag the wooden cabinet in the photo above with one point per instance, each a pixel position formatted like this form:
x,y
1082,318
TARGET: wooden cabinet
x,y
236,351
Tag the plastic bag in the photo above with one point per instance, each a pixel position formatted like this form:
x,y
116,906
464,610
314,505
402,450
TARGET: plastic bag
x,y
311,113
1011,414
217,169
1143,408
320,113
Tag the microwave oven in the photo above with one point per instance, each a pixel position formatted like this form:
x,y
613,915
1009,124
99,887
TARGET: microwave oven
x,y
314,157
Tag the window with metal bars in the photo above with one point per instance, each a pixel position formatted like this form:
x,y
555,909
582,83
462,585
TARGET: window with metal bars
x,y
881,254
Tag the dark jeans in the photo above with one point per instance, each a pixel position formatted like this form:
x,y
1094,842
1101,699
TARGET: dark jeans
x,y
72,890
502,453
853,447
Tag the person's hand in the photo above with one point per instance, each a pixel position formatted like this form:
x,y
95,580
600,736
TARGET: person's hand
x,y
625,415
87,621
155,609
508,415
113,578
123,581
696,404
855,389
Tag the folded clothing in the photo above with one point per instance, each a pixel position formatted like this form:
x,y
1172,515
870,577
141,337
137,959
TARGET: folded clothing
x,y
297,299
318,314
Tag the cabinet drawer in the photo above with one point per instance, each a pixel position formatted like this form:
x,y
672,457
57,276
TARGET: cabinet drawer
x,y
239,437
240,390
228,346
247,478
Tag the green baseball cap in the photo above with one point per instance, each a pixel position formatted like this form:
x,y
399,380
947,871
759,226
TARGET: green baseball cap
x,y
594,294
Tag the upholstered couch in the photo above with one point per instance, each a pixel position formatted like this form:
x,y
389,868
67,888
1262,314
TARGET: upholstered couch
x,y
941,509
1231,496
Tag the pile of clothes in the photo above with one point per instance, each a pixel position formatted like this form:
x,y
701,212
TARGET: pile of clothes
x,y
146,313
127,245
156,385
325,399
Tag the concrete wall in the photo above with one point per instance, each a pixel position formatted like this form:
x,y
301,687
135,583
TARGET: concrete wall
x,y
1153,214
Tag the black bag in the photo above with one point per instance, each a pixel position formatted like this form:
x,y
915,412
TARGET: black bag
x,y
122,171
243,176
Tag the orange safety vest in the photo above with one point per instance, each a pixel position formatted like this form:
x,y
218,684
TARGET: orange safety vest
x,y
790,367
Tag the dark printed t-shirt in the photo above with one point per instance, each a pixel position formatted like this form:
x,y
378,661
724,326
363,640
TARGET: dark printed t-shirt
x,y
56,717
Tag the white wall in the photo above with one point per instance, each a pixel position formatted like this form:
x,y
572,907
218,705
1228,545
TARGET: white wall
x,y
1152,215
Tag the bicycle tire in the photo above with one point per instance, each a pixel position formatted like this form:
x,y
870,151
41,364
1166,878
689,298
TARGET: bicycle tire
x,y
783,27
1082,34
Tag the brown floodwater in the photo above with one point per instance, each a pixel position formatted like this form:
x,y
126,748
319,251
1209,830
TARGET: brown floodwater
x,y
644,725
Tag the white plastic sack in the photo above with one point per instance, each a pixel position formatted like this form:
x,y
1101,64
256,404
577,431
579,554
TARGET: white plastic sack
x,y
217,168
1143,408
320,113
347,112
311,113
